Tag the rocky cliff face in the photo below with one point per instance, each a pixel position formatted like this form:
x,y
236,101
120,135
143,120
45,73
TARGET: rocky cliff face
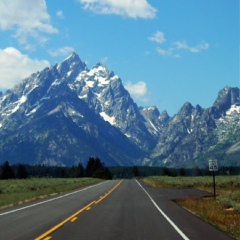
x,y
67,113
44,120
103,91
194,134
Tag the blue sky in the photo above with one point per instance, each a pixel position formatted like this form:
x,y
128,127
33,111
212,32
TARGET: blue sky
x,y
166,52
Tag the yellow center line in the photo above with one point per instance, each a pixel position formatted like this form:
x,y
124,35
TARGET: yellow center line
x,y
47,238
109,192
63,222
72,217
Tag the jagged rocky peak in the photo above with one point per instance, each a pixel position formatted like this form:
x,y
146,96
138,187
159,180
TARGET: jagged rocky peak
x,y
100,65
102,70
152,109
97,77
164,117
226,98
72,65
81,103
150,112
198,108
153,113
186,109
73,57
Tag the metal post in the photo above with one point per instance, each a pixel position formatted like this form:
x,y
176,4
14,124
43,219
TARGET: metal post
x,y
213,167
214,185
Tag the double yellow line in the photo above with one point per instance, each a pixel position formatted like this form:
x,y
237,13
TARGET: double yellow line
x,y
73,217
108,193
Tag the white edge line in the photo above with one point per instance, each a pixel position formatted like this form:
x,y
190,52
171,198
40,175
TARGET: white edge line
x,y
167,218
50,200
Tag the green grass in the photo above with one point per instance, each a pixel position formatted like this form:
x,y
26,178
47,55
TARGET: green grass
x,y
18,191
223,213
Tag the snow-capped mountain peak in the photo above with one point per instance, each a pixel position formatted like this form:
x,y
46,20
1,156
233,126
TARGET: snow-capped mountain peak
x,y
71,66
67,111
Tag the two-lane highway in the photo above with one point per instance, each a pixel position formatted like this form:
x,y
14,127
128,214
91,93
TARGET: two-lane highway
x,y
28,221
114,209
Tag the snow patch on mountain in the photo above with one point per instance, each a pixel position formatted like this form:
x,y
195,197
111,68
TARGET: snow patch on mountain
x,y
69,73
232,114
107,118
33,110
154,127
153,108
22,100
90,84
234,109
55,110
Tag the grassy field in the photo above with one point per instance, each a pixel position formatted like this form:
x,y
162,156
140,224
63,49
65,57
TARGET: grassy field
x,y
223,213
18,191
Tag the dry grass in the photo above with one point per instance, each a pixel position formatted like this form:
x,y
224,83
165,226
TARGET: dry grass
x,y
17,191
213,212
223,213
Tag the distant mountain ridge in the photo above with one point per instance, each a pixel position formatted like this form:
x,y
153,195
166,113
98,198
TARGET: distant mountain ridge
x,y
64,114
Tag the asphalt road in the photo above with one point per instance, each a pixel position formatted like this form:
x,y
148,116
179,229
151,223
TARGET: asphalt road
x,y
126,210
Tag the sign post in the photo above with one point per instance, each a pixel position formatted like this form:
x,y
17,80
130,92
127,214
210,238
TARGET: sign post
x,y
213,167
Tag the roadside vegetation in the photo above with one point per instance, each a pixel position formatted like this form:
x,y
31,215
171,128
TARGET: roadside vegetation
x,y
17,191
21,183
223,212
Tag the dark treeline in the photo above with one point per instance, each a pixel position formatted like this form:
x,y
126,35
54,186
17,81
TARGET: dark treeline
x,y
144,171
96,169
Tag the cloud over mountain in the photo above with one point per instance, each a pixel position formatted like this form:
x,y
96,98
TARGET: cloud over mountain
x,y
11,58
127,8
138,90
64,51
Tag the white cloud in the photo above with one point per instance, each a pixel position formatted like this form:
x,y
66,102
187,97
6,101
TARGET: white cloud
x,y
104,60
171,52
15,66
137,90
174,49
158,37
27,18
64,51
164,52
195,49
126,8
60,14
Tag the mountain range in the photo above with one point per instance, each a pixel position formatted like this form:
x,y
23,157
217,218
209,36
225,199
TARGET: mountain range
x,y
66,113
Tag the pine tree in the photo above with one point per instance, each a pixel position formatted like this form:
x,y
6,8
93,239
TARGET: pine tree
x,y
21,171
90,167
96,169
135,171
7,171
79,171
